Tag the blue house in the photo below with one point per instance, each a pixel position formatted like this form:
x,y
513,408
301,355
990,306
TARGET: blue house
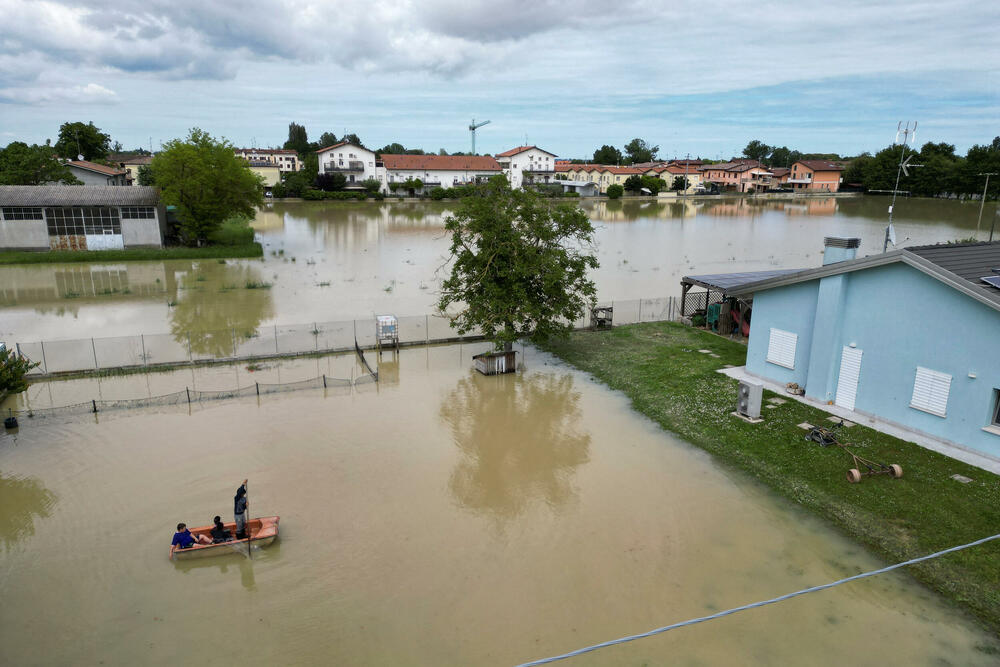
x,y
911,337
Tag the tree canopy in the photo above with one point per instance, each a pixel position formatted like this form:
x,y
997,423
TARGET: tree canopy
x,y
298,139
638,150
84,139
21,164
518,264
607,155
206,181
13,368
757,150
326,139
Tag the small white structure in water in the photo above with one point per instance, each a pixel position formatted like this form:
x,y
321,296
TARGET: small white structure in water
x,y
386,332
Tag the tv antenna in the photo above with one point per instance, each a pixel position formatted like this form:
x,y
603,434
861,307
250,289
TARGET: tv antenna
x,y
908,135
472,130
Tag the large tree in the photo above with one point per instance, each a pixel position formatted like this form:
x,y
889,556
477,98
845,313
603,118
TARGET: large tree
x,y
298,139
638,150
21,164
206,181
607,155
757,150
518,264
84,139
327,139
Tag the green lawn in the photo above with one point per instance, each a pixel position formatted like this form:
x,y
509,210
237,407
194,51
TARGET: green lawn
x,y
134,254
659,368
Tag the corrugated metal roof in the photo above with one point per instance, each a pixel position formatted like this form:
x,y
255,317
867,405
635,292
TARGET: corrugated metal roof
x,y
728,281
78,195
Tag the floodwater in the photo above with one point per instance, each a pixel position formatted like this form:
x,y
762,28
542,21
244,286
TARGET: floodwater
x,y
438,518
334,261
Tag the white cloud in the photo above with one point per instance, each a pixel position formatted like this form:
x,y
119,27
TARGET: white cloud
x,y
91,93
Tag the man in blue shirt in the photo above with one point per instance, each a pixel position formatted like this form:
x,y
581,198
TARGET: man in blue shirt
x,y
183,539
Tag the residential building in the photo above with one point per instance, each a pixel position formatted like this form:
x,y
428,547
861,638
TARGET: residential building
x,y
437,170
780,176
815,175
907,337
742,175
285,158
527,164
92,173
267,170
672,171
356,163
70,217
132,165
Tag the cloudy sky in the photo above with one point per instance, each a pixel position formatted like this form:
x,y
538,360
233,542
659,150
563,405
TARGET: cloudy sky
x,y
567,75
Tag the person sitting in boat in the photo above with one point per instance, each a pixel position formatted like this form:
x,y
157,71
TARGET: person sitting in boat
x,y
219,532
183,539
240,511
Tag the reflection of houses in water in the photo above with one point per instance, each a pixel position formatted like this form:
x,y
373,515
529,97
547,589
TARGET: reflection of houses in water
x,y
40,283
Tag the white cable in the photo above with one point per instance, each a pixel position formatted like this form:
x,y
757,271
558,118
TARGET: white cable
x,y
754,605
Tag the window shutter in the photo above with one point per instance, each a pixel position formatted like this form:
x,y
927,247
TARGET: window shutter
x,y
781,348
930,391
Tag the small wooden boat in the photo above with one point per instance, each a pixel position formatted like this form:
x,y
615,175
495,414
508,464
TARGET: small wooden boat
x,y
263,531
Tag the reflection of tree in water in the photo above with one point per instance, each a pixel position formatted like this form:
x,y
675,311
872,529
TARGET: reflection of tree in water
x,y
215,303
519,441
21,501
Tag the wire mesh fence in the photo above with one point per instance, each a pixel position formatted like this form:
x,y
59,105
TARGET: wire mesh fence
x,y
234,344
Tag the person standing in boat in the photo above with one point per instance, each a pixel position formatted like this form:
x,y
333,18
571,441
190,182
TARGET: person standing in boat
x,y
240,510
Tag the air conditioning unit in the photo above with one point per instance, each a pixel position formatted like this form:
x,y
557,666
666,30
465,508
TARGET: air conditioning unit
x,y
749,399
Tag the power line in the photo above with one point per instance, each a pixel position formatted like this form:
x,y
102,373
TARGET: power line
x,y
780,598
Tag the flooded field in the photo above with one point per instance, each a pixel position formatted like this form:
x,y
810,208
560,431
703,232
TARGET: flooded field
x,y
332,261
438,518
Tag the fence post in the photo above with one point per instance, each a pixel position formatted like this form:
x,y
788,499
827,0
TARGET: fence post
x,y
640,310
188,391
324,380
316,344
94,403
257,384
233,330
276,339
93,347
190,356
142,341
45,365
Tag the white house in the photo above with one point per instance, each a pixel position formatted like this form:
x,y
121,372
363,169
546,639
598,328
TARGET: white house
x,y
527,164
92,173
355,162
285,159
444,171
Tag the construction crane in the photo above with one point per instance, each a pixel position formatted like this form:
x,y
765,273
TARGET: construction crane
x,y
472,130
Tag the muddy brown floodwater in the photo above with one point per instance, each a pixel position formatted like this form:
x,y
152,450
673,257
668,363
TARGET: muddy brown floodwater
x,y
333,261
438,518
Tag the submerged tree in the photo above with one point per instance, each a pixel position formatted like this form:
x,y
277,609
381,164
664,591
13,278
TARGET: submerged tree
x,y
13,368
206,181
519,264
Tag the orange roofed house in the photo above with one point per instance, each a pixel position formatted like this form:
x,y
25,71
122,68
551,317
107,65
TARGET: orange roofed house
x,y
444,171
815,175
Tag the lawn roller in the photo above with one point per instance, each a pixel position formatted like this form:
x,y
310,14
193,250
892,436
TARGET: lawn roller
x,y
863,467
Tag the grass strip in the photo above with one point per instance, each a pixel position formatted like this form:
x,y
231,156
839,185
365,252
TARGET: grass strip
x,y
659,367
8,257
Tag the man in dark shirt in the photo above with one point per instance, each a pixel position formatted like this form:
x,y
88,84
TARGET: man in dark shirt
x,y
183,539
240,510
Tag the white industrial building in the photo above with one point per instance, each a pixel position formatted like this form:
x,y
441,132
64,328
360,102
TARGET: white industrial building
x,y
527,165
73,217
355,162
444,171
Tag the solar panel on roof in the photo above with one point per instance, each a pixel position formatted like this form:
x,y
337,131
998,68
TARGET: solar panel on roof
x,y
992,280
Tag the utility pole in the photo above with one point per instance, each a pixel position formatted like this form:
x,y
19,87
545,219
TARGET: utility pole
x,y
687,164
983,201
908,135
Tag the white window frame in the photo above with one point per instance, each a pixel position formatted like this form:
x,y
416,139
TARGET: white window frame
x,y
776,339
931,390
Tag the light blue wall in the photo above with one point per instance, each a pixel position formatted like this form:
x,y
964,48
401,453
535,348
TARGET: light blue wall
x,y
900,318
793,309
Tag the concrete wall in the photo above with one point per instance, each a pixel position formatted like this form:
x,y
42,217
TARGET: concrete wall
x,y
24,235
900,318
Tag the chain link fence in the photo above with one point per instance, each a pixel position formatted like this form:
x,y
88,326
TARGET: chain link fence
x,y
227,345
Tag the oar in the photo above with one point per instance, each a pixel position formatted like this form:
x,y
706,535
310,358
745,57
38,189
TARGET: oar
x,y
247,510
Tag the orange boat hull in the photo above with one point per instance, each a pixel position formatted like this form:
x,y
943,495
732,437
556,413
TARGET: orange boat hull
x,y
263,531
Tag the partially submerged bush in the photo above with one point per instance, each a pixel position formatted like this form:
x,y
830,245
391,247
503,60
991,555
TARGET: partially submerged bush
x,y
234,230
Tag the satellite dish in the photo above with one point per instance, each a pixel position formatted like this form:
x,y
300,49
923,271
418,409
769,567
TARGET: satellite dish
x,y
79,157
